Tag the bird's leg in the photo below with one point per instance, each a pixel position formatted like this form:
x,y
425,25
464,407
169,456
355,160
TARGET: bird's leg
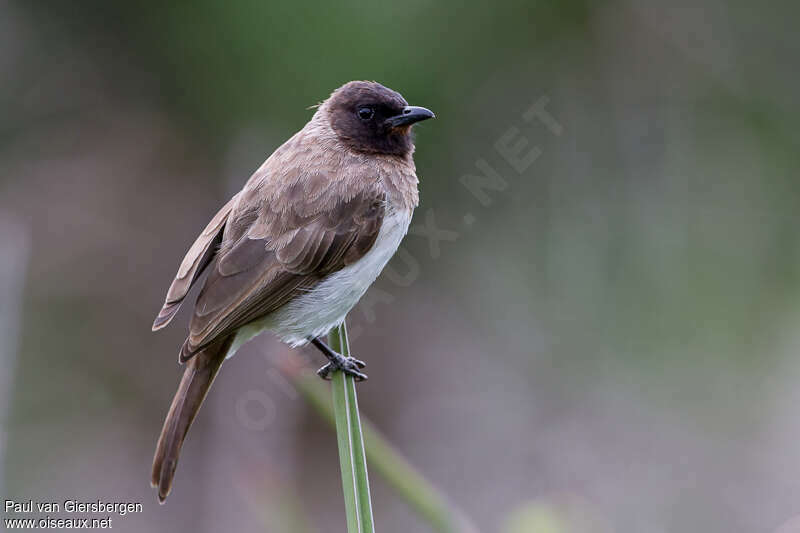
x,y
348,365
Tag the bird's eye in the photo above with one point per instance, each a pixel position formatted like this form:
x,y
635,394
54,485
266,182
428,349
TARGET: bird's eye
x,y
365,113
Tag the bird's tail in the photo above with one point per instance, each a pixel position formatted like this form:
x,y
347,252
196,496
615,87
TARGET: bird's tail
x,y
197,379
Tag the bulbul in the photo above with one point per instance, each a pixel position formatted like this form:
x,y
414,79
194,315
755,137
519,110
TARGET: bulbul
x,y
297,247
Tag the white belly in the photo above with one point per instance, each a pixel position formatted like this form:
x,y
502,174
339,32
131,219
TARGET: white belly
x,y
325,306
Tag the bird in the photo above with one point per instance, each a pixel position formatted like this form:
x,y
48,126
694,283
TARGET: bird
x,y
296,248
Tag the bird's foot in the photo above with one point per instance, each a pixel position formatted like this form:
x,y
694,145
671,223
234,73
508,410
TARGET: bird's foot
x,y
348,365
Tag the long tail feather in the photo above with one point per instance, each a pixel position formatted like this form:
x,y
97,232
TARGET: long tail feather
x,y
197,379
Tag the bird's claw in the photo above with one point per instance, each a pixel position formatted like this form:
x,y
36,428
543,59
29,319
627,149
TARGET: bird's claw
x,y
348,365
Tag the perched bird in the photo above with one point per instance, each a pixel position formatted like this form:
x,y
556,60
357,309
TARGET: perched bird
x,y
297,247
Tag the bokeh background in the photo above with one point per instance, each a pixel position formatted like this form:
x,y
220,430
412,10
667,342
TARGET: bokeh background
x,y
610,343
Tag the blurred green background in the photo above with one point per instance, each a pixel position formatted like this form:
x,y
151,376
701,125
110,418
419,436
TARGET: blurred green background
x,y
609,345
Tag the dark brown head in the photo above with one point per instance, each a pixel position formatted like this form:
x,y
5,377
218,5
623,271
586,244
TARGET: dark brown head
x,y
371,118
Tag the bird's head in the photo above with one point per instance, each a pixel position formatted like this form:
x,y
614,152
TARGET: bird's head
x,y
371,118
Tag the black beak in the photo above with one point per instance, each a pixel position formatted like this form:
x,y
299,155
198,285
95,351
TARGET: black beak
x,y
411,114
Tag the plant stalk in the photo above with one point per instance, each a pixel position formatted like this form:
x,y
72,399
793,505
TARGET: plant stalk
x,y
410,484
352,459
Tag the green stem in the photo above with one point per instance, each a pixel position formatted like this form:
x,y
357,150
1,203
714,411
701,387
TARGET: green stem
x,y
353,461
410,484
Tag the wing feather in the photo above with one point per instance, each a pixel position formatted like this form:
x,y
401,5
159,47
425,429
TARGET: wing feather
x,y
196,260
278,254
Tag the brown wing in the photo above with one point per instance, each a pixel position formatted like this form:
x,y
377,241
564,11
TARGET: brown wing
x,y
197,259
283,248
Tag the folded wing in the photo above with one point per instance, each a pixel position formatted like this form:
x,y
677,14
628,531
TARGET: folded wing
x,y
282,247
